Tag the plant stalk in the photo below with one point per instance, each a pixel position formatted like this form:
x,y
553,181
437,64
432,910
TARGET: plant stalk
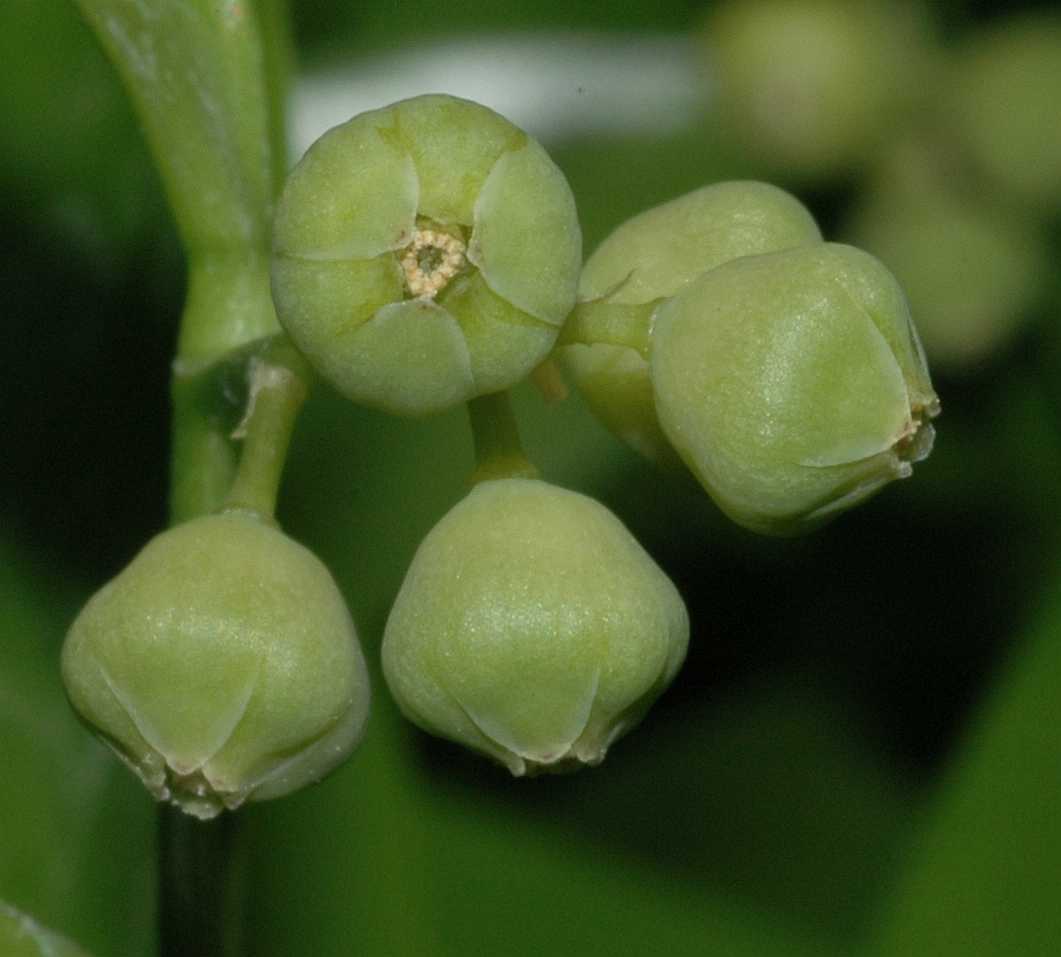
x,y
278,388
202,885
611,323
498,450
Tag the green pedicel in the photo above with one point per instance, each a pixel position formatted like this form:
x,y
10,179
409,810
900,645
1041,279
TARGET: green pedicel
x,y
649,258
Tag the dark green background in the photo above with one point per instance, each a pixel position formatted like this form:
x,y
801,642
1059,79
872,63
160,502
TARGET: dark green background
x,y
862,753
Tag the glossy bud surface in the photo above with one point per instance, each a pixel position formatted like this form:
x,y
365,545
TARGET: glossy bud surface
x,y
651,257
424,254
793,384
221,665
532,627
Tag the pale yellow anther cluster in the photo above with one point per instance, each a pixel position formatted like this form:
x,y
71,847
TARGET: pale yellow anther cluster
x,y
449,252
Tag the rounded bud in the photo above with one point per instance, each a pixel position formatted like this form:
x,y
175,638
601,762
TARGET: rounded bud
x,y
651,257
424,254
1003,105
793,384
532,627
221,665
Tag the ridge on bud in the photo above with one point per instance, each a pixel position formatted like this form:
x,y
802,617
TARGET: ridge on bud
x,y
532,627
793,384
649,258
424,254
221,665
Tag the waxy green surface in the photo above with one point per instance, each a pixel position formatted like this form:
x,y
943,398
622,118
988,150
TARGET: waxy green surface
x,y
532,627
652,256
221,665
793,384
358,199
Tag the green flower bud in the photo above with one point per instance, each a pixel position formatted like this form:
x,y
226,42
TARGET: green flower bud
x,y
1003,105
813,87
651,257
424,254
793,384
221,665
532,627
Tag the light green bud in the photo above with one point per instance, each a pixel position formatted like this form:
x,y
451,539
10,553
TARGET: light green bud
x,y
651,257
221,665
424,254
793,384
812,88
1004,102
532,627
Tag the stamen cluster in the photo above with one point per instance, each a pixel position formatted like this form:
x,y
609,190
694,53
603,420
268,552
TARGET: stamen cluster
x,y
441,254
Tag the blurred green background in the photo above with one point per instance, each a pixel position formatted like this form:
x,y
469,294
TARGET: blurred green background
x,y
863,751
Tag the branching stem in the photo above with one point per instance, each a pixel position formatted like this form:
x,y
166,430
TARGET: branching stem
x,y
277,389
610,323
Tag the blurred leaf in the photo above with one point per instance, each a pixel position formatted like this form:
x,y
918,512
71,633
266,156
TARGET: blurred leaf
x,y
70,150
769,793
21,936
983,878
383,860
78,829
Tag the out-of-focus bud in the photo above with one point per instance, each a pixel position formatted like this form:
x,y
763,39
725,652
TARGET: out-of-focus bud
x,y
424,254
1003,105
793,384
221,665
972,269
532,627
651,257
813,87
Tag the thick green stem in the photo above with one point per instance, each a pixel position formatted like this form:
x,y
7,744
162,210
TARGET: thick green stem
x,y
207,79
610,323
498,450
274,24
229,303
228,307
202,459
